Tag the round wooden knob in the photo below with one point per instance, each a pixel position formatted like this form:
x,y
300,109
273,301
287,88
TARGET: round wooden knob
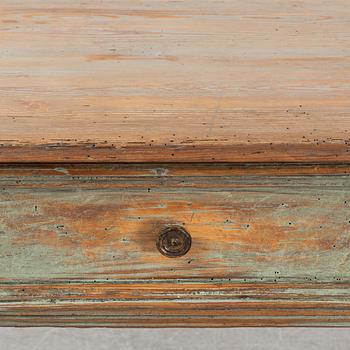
x,y
174,241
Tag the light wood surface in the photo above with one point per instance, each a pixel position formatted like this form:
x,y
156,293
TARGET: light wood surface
x,y
270,246
134,81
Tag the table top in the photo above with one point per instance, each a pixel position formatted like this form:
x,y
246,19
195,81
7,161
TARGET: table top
x,y
174,81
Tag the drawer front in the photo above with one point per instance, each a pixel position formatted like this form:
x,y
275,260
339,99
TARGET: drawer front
x,y
79,245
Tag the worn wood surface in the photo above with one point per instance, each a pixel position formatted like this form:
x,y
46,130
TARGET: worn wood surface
x,y
270,245
195,80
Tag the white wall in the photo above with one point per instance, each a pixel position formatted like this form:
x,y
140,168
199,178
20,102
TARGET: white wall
x,y
177,339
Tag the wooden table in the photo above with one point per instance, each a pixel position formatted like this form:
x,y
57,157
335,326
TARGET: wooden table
x,y
174,163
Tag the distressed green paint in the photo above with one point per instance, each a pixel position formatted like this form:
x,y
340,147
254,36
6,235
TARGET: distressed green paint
x,y
79,250
267,227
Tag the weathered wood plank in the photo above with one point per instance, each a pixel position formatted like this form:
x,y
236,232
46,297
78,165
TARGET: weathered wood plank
x,y
135,81
184,303
270,246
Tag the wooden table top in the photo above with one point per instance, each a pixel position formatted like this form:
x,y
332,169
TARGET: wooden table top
x,y
174,81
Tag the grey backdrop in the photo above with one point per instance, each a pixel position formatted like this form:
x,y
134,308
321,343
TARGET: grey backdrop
x,y
177,339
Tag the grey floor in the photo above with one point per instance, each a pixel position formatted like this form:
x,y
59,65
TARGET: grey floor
x,y
177,339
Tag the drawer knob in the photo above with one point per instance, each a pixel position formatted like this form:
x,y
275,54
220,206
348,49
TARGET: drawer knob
x,y
174,241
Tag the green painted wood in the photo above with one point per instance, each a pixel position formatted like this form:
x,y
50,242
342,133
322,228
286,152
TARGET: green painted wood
x,y
80,249
242,226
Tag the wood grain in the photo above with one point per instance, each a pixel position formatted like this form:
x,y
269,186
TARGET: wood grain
x,y
270,246
163,303
174,81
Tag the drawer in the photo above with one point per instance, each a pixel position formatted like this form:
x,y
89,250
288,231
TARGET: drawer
x,y
88,245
